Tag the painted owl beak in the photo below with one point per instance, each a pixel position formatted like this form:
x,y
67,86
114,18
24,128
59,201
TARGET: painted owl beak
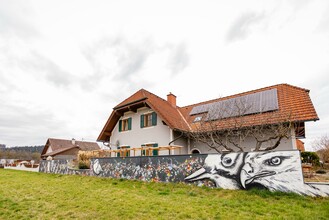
x,y
198,175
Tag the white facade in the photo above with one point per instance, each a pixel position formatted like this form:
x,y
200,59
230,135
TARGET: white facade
x,y
159,134
249,145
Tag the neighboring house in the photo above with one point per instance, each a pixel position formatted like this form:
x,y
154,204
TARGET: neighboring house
x,y
66,149
146,120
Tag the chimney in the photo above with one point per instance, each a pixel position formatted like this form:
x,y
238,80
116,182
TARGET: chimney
x,y
73,141
171,98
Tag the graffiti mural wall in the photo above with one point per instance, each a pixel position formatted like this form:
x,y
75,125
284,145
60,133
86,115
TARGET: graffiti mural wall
x,y
155,169
60,167
275,171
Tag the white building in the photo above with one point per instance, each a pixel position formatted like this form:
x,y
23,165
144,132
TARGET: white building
x,y
146,120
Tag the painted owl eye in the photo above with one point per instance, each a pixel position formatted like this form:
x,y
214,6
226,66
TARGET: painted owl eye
x,y
227,161
274,161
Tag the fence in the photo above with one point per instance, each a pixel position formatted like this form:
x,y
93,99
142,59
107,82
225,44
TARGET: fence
x,y
275,171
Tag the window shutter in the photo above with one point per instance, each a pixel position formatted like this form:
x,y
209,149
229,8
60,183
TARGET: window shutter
x,y
118,154
120,125
129,123
155,152
142,121
128,152
154,118
143,151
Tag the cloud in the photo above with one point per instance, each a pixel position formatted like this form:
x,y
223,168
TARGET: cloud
x,y
130,57
12,22
324,22
25,123
299,4
39,66
53,72
179,59
115,59
243,26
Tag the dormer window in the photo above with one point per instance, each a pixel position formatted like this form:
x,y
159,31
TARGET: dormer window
x,y
197,119
148,120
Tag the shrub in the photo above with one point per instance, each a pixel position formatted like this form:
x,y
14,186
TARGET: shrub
x,y
84,158
310,157
83,165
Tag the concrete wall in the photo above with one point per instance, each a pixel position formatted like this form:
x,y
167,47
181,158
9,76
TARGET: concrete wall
x,y
275,171
61,167
160,134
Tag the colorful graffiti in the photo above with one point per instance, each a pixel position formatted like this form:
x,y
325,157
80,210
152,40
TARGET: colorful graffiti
x,y
152,169
275,171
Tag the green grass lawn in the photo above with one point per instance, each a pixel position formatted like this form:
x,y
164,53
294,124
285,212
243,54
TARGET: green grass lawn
x,y
27,195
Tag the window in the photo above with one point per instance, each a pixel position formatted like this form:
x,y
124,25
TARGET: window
x,y
125,124
125,152
148,120
198,118
148,152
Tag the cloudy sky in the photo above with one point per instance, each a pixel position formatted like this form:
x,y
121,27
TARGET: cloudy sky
x,y
65,64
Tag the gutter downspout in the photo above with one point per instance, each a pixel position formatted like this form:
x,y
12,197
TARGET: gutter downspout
x,y
180,136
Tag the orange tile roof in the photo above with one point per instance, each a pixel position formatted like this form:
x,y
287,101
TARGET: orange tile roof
x,y
300,145
294,102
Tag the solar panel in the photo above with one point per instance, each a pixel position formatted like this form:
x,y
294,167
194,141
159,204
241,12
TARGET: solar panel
x,y
244,105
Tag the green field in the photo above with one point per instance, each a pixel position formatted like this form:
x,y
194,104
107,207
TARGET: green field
x,y
27,195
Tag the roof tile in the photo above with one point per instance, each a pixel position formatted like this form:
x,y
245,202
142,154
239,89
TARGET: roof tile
x,y
294,102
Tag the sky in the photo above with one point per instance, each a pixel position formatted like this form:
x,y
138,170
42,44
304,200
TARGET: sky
x,y
65,64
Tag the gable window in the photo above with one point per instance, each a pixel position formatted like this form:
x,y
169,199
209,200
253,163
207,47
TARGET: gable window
x,y
125,124
148,120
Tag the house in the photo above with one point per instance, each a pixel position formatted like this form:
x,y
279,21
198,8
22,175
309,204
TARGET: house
x,y
145,120
300,145
66,149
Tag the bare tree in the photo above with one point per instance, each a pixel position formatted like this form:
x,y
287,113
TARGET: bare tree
x,y
227,126
322,147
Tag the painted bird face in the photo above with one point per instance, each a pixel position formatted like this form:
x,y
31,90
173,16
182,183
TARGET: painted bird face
x,y
273,170
222,169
